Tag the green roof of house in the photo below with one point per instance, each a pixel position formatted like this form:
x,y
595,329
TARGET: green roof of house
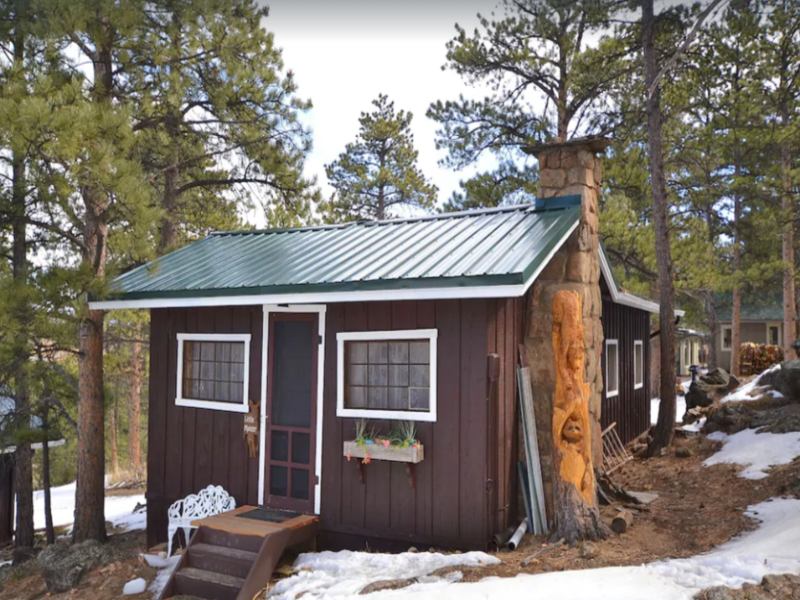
x,y
493,247
765,305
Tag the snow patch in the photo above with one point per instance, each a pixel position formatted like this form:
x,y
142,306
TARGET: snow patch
x,y
757,452
752,389
118,509
680,409
344,574
165,568
772,548
134,586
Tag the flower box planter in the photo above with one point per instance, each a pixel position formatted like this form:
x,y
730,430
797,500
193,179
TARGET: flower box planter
x,y
409,454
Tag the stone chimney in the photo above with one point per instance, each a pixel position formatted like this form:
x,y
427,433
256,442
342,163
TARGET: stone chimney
x,y
568,168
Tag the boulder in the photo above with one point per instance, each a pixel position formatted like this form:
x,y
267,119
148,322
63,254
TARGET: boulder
x,y
786,379
709,387
64,564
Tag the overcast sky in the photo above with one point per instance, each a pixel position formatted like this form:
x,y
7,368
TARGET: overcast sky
x,y
343,54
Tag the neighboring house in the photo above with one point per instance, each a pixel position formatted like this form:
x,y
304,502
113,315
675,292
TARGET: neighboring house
x,y
761,323
7,455
690,350
314,328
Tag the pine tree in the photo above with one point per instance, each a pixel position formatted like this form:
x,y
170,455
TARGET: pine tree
x,y
378,172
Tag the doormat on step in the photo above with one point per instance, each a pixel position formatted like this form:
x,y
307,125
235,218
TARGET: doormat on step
x,y
267,514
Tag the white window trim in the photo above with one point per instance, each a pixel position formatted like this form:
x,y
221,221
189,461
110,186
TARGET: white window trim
x,y
722,330
777,324
640,384
612,393
399,334
242,407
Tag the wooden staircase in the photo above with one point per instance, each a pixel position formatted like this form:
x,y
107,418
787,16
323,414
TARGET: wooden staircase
x,y
226,560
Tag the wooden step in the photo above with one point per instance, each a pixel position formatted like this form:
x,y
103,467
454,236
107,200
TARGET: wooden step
x,y
217,537
221,559
207,584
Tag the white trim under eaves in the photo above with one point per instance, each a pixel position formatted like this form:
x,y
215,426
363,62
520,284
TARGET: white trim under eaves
x,y
443,293
624,298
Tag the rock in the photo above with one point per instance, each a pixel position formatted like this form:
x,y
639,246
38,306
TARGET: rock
x,y
772,587
413,549
386,584
786,379
683,452
134,586
588,550
64,564
709,387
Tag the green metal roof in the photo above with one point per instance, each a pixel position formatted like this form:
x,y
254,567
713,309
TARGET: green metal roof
x,y
765,305
472,248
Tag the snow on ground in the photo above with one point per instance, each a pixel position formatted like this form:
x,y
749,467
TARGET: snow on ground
x,y
772,548
756,452
118,509
752,390
164,566
344,574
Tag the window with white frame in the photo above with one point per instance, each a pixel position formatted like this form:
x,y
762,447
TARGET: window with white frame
x,y
638,364
727,337
612,368
387,374
213,371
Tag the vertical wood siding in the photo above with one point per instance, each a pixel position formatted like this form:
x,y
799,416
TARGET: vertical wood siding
x,y
190,448
465,487
630,409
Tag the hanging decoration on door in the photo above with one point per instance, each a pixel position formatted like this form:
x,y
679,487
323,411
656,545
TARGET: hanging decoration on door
x,y
251,429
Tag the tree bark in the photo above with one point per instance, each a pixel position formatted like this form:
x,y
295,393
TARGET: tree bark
x,y
787,249
113,441
135,410
713,327
50,534
736,295
90,487
23,476
662,435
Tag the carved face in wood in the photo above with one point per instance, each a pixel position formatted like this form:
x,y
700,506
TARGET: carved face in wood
x,y
573,430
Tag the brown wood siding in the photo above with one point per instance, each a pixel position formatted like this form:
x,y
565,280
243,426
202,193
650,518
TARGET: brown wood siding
x,y
190,448
449,505
630,409
466,485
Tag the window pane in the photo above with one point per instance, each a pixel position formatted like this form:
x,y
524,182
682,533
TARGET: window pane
x,y
300,483
301,447
280,446
208,374
387,375
278,480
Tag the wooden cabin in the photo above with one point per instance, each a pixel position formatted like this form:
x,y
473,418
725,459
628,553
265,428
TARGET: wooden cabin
x,y
310,330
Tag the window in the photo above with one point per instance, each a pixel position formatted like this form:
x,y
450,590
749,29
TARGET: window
x,y
387,374
638,364
727,337
612,368
213,371
773,334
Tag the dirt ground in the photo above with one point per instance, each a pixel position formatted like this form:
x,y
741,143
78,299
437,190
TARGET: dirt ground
x,y
697,508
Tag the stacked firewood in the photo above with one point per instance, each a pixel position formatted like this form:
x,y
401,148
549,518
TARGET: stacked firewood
x,y
755,358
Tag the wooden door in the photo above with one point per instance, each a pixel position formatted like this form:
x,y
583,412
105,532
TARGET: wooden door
x,y
291,411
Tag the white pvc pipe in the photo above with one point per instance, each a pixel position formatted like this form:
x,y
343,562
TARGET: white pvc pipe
x,y
515,539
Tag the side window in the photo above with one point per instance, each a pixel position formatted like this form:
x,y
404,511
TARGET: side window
x,y
612,368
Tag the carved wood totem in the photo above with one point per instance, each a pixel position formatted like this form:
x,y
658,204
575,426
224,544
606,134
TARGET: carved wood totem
x,y
571,427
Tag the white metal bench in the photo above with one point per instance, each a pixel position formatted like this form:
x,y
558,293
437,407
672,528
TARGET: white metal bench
x,y
209,501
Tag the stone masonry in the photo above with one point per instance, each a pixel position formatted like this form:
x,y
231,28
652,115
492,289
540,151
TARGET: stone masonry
x,y
571,168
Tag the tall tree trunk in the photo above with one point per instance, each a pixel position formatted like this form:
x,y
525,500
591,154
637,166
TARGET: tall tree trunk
x,y
736,296
710,309
787,248
50,534
135,410
23,537
90,488
113,441
662,435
